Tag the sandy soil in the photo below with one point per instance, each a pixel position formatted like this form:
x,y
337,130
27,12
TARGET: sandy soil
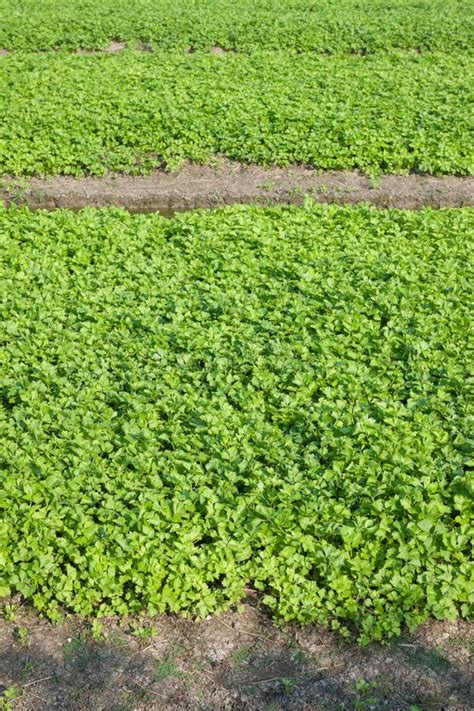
x,y
239,660
227,182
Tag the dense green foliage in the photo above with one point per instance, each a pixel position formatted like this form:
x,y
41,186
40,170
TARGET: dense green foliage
x,y
320,25
71,114
267,396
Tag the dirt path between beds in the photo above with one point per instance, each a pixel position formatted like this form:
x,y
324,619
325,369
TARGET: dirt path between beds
x,y
239,661
226,183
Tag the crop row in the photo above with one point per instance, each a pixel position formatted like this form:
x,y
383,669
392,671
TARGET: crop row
x,y
275,397
320,25
78,114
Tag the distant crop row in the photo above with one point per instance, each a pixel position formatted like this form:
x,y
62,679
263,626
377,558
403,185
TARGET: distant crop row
x,y
78,114
305,25
275,397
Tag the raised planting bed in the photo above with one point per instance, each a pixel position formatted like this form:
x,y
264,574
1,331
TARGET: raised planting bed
x,y
274,398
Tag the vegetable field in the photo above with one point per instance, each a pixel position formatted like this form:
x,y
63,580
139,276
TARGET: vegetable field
x,y
253,410
303,25
71,114
275,397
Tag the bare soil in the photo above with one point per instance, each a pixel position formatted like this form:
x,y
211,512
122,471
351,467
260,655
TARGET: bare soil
x,y
113,48
236,661
226,183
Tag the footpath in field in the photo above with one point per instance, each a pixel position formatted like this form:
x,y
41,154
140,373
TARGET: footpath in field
x,y
225,183
237,661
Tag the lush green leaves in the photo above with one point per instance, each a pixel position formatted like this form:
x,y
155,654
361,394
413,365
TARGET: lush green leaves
x,y
85,114
266,396
319,25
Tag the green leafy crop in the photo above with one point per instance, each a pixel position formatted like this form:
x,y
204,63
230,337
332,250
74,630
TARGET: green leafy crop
x,y
275,397
305,25
76,114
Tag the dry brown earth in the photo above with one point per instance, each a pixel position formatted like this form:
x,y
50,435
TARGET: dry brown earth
x,y
226,183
